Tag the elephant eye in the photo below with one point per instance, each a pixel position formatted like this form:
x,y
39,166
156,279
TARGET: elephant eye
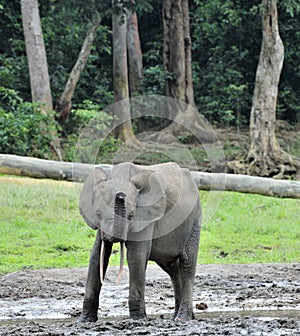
x,y
130,215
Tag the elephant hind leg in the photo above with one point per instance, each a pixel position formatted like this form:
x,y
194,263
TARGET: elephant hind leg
x,y
187,271
182,273
183,282
173,271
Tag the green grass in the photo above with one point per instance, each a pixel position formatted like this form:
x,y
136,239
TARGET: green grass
x,y
40,227
249,229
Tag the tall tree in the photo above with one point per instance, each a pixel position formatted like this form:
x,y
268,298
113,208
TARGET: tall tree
x,y
177,51
120,79
178,68
36,54
38,67
135,58
64,104
265,157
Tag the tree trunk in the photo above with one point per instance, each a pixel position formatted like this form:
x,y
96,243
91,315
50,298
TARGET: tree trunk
x,y
178,68
265,157
177,51
134,54
25,166
36,54
38,67
120,74
63,107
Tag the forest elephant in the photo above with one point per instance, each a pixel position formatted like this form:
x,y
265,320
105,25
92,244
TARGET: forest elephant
x,y
155,212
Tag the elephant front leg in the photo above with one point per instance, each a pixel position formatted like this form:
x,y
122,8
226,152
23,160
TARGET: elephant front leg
x,y
137,258
93,285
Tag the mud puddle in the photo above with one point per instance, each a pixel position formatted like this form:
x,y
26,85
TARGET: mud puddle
x,y
228,300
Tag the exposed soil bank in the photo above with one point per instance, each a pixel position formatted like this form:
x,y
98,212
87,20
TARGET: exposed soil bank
x,y
260,299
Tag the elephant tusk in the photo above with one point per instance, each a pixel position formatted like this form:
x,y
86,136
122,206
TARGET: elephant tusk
x,y
102,250
121,263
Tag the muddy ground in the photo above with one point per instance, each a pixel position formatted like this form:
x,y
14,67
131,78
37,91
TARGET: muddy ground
x,y
228,300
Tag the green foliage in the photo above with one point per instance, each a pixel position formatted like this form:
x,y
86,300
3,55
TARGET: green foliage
x,y
21,125
13,61
226,40
88,119
154,80
154,74
292,7
65,24
83,113
225,59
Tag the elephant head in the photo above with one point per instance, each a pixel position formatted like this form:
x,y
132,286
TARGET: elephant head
x,y
125,202
122,204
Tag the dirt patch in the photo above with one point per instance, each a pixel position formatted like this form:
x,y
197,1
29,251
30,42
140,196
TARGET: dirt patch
x,y
229,300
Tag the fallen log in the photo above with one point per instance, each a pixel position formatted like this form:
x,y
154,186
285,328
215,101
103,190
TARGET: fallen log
x,y
247,184
57,170
38,168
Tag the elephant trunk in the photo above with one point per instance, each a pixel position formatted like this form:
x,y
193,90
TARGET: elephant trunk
x,y
120,222
121,227
119,233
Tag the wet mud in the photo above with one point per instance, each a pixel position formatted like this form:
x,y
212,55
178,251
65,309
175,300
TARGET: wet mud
x,y
260,299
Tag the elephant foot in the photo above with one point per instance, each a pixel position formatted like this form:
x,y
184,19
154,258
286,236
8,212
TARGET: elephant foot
x,y
138,316
87,318
183,318
184,314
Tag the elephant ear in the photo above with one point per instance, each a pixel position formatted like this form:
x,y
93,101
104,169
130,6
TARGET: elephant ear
x,y
151,201
86,200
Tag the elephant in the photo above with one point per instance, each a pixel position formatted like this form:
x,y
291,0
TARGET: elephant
x,y
155,212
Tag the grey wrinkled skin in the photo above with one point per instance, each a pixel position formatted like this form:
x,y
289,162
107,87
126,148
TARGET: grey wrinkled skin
x,y
158,216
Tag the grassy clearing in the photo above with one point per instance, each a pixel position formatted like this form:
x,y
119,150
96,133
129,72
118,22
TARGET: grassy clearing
x,y
251,228
40,227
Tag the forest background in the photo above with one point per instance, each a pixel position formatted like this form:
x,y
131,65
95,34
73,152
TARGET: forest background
x,y
226,42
